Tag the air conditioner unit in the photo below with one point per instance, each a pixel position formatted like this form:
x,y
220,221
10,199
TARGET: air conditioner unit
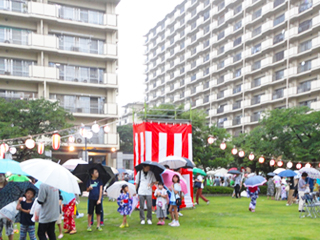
x,y
7,41
76,80
76,49
7,73
79,140
85,81
79,110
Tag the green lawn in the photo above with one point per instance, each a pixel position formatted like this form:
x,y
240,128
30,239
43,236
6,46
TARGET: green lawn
x,y
224,218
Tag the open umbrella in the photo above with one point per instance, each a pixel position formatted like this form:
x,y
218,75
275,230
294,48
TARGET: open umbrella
x,y
155,167
114,190
220,172
200,171
71,164
82,172
52,174
167,176
8,165
255,181
211,173
287,173
312,172
121,170
190,164
173,162
298,174
278,170
234,168
234,172
271,174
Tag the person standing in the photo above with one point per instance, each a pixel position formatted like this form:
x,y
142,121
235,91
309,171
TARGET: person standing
x,y
145,179
291,191
237,185
217,181
302,186
277,184
270,189
199,190
48,198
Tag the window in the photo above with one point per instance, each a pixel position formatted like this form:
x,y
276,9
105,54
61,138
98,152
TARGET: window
x,y
193,12
182,95
206,85
237,57
172,29
162,36
181,70
193,77
220,19
278,93
182,21
278,20
304,46
307,103
14,35
171,63
193,64
276,3
304,87
278,38
220,79
237,10
206,3
181,58
162,47
256,48
162,58
206,72
182,45
193,25
81,44
182,33
193,37
256,116
206,15
256,31
305,25
221,5
221,50
305,5
171,41
256,82
237,73
206,57
15,67
80,14
182,83
206,43
256,65
279,75
162,25
193,51
256,99
237,119
256,14
206,29
182,9
237,41
220,94
171,75
171,51
162,69
237,26
278,56
221,35
237,89
236,105
304,66
221,64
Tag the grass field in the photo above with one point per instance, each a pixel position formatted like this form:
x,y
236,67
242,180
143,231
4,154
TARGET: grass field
x,y
224,218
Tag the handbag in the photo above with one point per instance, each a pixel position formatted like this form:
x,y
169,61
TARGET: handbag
x,y
197,185
178,200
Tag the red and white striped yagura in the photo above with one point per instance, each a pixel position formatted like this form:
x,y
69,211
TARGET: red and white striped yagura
x,y
154,141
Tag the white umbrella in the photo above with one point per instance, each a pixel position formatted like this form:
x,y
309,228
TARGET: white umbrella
x,y
221,172
298,174
71,164
279,170
114,170
312,172
52,174
173,162
114,190
211,173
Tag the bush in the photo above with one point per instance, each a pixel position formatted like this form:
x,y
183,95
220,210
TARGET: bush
x,y
216,190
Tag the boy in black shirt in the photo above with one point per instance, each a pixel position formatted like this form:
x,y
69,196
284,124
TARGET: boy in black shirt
x,y
26,224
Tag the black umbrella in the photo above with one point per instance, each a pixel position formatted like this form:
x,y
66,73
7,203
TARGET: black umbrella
x,y
189,164
271,174
82,172
234,172
155,167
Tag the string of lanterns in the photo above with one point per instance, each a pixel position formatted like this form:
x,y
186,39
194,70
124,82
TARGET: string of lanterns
x,y
30,143
261,159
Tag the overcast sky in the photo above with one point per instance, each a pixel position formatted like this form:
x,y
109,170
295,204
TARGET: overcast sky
x,y
136,18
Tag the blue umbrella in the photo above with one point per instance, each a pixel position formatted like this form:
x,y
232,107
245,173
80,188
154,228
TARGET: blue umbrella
x,y
8,165
255,181
271,174
121,170
287,173
66,197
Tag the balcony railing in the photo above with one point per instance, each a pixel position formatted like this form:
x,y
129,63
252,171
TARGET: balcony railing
x,y
206,85
236,105
256,65
305,26
256,83
220,95
237,89
278,56
255,118
220,110
18,95
206,99
14,6
255,100
278,38
305,87
236,121
305,67
220,80
277,95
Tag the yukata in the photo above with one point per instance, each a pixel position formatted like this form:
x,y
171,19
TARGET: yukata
x,y
68,221
125,204
253,192
270,189
283,192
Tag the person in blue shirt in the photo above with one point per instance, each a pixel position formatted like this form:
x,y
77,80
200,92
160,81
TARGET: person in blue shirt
x,y
94,187
310,181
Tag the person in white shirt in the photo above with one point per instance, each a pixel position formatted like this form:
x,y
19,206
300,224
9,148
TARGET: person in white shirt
x,y
237,185
199,190
144,182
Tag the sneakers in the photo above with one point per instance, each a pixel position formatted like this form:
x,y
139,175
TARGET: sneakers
x,y
143,222
149,222
89,229
99,229
159,223
122,226
175,224
72,232
208,202
253,210
287,204
127,224
170,224
180,214
60,236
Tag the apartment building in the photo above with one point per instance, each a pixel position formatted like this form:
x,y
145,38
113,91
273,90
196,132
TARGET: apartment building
x,y
130,113
64,51
235,58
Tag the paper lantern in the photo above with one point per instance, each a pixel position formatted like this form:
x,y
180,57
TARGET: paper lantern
x,y
56,141
4,148
241,153
261,159
280,163
223,146
234,151
299,166
1,154
308,165
71,139
272,162
89,135
95,128
289,165
83,132
251,157
41,148
106,129
30,143
13,150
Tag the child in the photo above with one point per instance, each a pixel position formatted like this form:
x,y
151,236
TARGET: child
x,y
175,190
154,199
69,223
58,222
253,192
94,187
125,204
315,186
161,195
283,192
26,224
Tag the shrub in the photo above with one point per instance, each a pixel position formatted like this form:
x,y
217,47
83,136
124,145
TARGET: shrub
x,y
217,190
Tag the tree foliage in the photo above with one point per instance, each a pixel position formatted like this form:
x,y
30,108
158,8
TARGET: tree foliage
x,y
22,118
126,138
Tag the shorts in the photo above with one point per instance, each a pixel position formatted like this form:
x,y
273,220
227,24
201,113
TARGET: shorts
x,y
173,203
59,219
154,202
92,204
8,225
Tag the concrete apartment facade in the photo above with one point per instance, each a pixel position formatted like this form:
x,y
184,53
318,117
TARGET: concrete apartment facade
x,y
235,58
129,114
64,51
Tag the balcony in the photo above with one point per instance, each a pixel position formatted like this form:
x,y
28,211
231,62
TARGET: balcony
x,y
220,95
43,72
255,100
9,95
278,95
255,118
236,121
220,110
236,105
305,6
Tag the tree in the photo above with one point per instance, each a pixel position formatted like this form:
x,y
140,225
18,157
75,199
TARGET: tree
x,y
126,138
21,118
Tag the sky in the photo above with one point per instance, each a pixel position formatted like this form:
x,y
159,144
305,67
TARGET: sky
x,y
135,19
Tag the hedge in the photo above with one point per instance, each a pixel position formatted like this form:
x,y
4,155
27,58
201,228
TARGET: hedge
x,y
227,190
